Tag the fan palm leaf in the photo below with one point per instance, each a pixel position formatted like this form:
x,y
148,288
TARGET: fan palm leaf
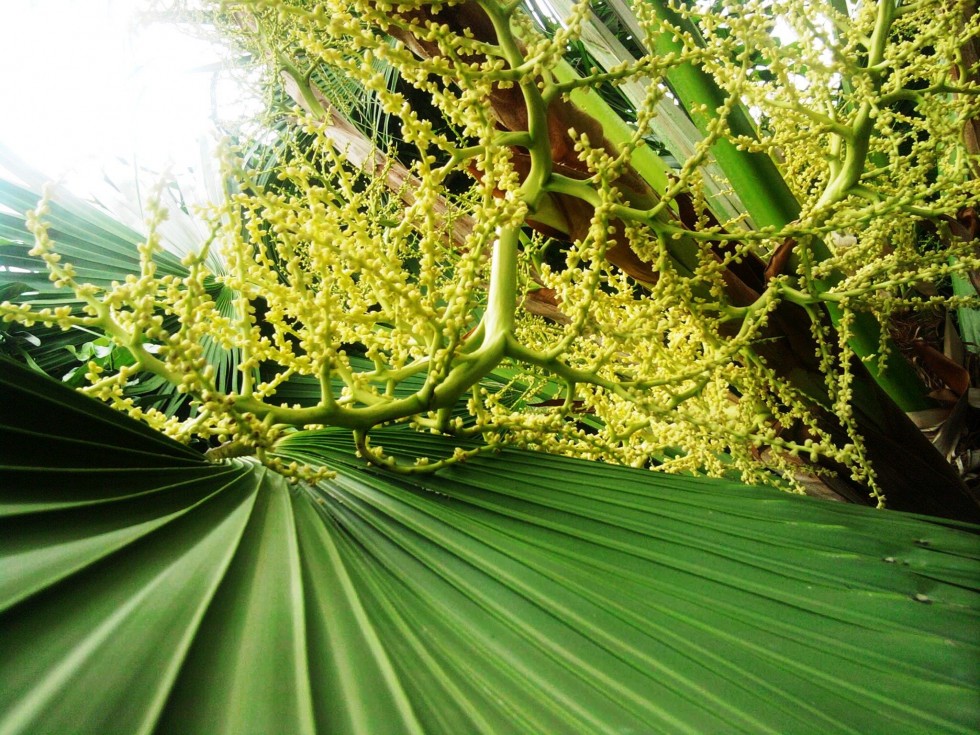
x,y
147,590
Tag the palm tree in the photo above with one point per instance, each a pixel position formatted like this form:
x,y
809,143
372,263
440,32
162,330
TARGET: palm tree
x,y
149,589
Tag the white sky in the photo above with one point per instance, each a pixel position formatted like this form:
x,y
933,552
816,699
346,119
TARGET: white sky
x,y
83,83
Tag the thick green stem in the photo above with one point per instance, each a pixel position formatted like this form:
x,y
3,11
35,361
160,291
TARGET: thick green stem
x,y
502,299
753,176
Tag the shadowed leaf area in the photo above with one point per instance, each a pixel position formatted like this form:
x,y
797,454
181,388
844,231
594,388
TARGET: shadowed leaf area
x,y
144,590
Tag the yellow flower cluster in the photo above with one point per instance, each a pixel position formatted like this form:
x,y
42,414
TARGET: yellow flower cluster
x,y
338,261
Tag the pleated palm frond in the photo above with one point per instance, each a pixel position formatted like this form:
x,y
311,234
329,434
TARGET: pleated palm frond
x,y
145,590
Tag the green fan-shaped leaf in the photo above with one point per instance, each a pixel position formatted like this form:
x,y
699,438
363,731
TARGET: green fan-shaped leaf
x,y
145,590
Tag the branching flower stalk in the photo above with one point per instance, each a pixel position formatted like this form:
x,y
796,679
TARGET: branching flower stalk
x,y
670,352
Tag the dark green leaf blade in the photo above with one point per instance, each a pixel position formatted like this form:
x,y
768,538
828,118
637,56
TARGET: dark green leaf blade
x,y
769,612
516,593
